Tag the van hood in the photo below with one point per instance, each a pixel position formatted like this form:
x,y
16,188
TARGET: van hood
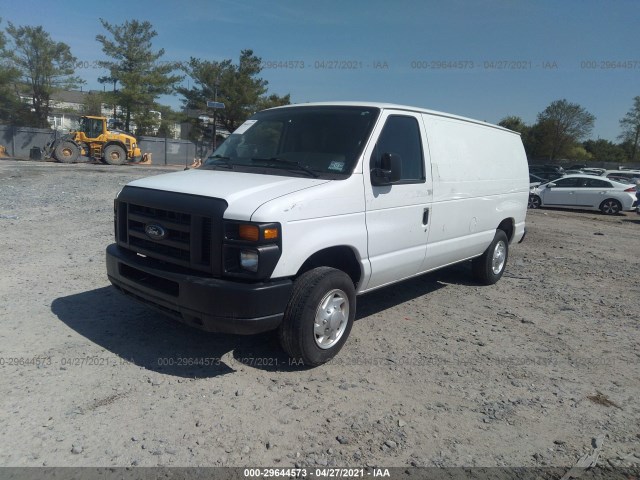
x,y
243,192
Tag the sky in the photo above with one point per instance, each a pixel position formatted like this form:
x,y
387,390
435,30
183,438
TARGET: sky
x,y
484,59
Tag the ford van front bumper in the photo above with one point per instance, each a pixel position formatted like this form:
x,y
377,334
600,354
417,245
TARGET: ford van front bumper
x,y
210,304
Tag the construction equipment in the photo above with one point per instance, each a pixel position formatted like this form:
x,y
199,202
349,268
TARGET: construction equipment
x,y
94,140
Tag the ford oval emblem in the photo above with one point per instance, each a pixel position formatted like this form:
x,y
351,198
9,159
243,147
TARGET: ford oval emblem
x,y
155,231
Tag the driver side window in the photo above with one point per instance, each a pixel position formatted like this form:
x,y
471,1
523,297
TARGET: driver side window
x,y
568,182
401,136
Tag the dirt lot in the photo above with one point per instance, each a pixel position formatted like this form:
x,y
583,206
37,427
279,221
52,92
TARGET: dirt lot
x,y
437,372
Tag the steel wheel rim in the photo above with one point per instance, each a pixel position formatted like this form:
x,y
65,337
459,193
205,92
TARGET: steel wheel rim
x,y
499,257
332,316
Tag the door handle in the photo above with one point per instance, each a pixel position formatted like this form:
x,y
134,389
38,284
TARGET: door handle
x,y
425,216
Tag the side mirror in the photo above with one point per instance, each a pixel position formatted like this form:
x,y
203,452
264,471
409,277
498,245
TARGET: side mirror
x,y
390,170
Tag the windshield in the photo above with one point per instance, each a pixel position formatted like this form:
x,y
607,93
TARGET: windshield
x,y
92,127
322,142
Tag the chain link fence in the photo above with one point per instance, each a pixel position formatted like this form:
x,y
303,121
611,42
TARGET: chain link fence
x,y
28,142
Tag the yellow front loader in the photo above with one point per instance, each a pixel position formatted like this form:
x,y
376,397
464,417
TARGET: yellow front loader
x,y
94,140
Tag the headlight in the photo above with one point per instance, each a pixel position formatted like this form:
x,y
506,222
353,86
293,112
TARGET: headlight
x,y
249,260
251,250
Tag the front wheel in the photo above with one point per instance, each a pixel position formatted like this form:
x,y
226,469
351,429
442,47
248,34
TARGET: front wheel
x,y
610,207
534,201
319,316
115,155
489,267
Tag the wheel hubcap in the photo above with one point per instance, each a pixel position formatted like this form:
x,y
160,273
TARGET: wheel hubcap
x,y
331,320
611,207
66,152
499,257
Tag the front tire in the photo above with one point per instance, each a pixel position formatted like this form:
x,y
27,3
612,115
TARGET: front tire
x,y
489,267
67,152
115,155
319,316
610,207
534,201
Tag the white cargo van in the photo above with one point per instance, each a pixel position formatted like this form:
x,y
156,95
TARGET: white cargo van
x,y
304,207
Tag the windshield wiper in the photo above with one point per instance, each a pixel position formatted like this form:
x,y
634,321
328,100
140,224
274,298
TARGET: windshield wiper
x,y
224,162
288,163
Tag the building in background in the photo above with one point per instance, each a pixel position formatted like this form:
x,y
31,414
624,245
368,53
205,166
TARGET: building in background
x,y
67,106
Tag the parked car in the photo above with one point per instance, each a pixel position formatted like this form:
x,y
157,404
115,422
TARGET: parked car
x,y
535,180
550,166
547,168
593,171
587,192
632,176
548,174
578,166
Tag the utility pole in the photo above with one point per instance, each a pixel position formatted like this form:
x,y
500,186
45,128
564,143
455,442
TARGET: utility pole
x,y
114,100
215,105
215,126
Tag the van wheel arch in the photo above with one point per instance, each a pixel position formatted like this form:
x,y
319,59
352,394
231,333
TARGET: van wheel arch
x,y
342,258
508,227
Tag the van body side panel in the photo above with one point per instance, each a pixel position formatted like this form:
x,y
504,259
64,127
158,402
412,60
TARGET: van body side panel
x,y
480,178
318,218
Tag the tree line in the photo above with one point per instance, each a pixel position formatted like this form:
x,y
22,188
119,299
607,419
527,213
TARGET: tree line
x,y
34,65
561,132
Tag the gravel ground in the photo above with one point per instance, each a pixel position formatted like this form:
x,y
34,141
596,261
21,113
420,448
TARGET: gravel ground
x,y
437,371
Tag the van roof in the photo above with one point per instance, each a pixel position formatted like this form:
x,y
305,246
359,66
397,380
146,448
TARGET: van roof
x,y
394,106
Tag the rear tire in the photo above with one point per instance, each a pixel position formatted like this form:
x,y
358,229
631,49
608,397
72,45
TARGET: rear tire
x,y
489,267
66,152
319,316
115,155
610,207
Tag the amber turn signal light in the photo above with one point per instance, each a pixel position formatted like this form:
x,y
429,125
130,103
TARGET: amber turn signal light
x,y
270,233
249,232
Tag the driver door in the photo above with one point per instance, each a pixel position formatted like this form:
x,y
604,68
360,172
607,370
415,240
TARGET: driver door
x,y
563,193
397,215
